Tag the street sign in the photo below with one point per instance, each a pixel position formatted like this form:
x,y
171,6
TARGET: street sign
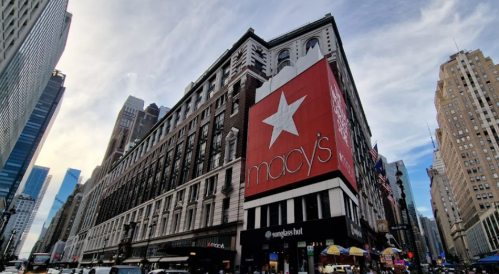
x,y
310,250
399,227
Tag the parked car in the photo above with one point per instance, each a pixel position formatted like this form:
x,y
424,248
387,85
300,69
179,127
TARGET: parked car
x,y
66,271
100,270
53,271
126,269
168,271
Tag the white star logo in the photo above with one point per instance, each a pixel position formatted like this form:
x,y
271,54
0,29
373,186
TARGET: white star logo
x,y
282,120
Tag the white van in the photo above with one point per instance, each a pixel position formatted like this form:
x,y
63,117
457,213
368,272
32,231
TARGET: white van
x,y
340,268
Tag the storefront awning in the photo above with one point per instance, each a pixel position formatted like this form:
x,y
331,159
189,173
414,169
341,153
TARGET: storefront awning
x,y
133,260
174,259
200,251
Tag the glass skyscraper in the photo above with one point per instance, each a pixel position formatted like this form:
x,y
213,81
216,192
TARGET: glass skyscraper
x,y
34,133
409,198
68,184
38,202
35,181
27,70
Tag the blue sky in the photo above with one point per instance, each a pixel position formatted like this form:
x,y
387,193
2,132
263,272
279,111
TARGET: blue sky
x,y
153,49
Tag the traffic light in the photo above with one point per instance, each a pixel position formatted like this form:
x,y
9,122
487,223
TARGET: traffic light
x,y
410,255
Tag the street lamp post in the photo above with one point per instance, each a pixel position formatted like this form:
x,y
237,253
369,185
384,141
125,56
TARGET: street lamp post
x,y
101,261
417,260
151,228
5,220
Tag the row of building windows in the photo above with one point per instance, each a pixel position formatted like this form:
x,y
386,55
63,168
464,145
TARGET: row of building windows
x,y
306,208
172,206
195,101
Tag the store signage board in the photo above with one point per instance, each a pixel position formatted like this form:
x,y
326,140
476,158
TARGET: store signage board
x,y
298,132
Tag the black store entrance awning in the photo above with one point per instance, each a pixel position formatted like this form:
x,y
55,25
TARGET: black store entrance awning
x,y
173,259
199,251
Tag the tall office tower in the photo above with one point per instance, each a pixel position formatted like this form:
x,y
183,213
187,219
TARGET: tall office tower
x,y
85,215
119,136
132,123
432,236
60,227
36,182
409,197
411,206
71,179
466,100
143,122
185,186
23,204
32,138
38,201
162,111
397,211
34,36
73,246
125,119
444,207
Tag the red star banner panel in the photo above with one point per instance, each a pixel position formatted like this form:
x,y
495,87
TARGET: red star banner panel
x,y
298,132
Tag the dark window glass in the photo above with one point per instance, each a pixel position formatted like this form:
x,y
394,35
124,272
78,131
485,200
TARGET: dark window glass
x,y
263,216
258,66
225,210
251,219
237,88
347,205
311,43
298,210
284,212
326,211
283,60
311,207
274,214
283,56
228,178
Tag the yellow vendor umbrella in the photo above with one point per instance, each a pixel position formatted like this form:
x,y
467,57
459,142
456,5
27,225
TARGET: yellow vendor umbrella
x,y
390,251
333,250
355,251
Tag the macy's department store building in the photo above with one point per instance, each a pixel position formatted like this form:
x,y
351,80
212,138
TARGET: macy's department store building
x,y
300,188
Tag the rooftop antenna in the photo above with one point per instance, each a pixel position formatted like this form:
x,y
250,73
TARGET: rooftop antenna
x,y
455,44
431,136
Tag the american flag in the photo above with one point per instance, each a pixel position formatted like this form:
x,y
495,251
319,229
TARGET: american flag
x,y
381,177
374,153
392,201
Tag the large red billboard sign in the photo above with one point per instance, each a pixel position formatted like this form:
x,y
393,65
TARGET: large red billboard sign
x,y
298,132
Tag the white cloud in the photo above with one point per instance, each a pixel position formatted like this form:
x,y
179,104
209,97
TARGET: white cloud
x,y
396,71
423,209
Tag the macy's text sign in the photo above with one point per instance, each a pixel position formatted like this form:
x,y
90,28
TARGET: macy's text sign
x,y
298,132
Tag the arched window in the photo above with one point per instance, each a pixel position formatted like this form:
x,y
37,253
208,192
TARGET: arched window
x,y
283,60
311,43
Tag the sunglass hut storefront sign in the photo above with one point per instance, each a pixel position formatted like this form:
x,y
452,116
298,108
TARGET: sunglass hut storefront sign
x,y
283,233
